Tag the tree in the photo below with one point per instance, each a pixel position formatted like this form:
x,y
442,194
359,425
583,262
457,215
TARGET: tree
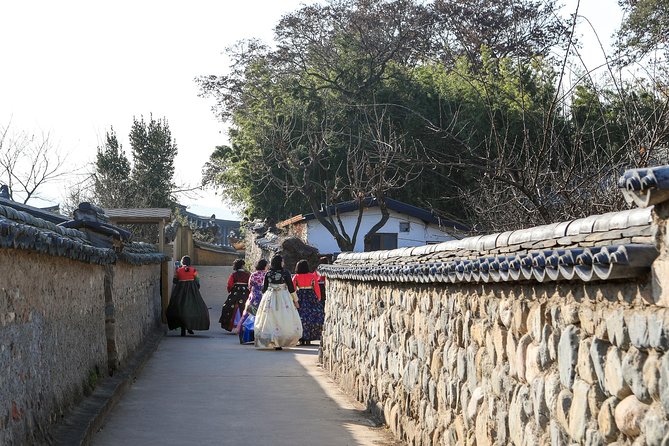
x,y
28,162
147,181
348,46
153,152
240,177
112,184
483,123
369,164
306,126
538,154
519,28
644,28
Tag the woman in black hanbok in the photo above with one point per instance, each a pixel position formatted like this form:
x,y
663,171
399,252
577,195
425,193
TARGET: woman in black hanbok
x,y
238,287
187,309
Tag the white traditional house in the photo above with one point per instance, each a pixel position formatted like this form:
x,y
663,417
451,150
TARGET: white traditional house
x,y
407,226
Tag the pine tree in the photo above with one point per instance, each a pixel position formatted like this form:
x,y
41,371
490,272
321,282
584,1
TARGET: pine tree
x,y
153,152
113,186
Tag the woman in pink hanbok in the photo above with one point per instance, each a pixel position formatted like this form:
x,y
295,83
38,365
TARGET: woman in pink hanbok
x,y
245,328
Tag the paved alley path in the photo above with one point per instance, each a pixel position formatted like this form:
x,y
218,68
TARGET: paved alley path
x,y
207,389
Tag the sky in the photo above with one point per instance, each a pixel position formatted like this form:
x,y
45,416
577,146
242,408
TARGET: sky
x,y
75,68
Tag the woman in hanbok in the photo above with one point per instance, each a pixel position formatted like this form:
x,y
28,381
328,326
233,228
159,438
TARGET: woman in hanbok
x,y
187,309
247,321
277,323
311,308
238,287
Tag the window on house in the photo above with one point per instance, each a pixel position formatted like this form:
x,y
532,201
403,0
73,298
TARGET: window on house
x,y
381,241
405,226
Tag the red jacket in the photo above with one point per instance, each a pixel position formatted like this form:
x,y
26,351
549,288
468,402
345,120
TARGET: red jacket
x,y
239,276
186,273
307,280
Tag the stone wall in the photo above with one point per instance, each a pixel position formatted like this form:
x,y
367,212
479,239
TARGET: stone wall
x,y
253,250
75,305
134,311
210,257
52,328
64,325
551,335
489,364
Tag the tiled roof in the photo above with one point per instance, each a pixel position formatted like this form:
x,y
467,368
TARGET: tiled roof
x,y
613,245
213,247
140,213
269,242
37,212
21,230
645,187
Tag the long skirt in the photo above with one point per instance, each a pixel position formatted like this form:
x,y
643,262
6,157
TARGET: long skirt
x,y
277,322
311,314
187,308
235,302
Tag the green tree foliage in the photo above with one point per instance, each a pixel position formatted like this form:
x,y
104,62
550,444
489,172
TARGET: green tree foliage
x,y
242,180
112,183
453,106
153,152
148,181
631,122
305,116
645,28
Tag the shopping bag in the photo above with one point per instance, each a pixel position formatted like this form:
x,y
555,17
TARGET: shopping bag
x,y
249,322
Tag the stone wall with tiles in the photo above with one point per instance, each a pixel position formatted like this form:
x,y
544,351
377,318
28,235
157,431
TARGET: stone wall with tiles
x,y
65,325
474,343
71,313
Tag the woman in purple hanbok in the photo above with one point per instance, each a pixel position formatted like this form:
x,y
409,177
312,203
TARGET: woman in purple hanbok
x,y
246,323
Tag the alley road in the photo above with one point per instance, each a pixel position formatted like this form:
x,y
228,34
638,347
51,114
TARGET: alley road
x,y
207,389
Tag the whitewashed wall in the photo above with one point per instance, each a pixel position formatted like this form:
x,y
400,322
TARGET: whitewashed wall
x,y
419,234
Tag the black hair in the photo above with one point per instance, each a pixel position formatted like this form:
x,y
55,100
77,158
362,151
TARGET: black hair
x,y
323,261
185,261
261,264
238,264
302,267
276,262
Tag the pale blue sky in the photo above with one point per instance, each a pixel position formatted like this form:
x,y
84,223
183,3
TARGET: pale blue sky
x,y
75,68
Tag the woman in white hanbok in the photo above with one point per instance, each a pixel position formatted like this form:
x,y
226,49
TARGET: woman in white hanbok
x,y
277,321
